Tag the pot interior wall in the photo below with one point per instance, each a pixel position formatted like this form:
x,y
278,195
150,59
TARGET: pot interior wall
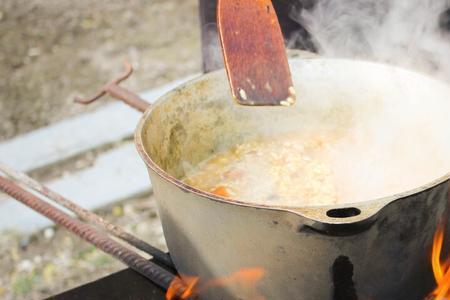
x,y
392,124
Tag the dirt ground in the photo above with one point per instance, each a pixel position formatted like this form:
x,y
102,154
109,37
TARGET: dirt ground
x,y
52,261
52,50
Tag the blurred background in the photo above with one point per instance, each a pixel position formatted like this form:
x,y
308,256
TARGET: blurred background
x,y
50,51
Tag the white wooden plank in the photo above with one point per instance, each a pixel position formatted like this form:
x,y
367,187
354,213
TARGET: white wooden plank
x,y
76,135
116,175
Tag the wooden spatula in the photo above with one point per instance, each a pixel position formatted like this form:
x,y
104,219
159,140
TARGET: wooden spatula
x,y
254,53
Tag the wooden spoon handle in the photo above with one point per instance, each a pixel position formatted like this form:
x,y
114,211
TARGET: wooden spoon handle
x,y
254,53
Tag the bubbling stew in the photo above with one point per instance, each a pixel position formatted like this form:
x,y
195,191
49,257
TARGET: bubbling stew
x,y
290,169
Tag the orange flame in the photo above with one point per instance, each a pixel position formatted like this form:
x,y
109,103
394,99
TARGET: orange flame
x,y
190,283
441,270
244,280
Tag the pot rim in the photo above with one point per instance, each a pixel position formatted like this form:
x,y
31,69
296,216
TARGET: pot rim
x,y
367,209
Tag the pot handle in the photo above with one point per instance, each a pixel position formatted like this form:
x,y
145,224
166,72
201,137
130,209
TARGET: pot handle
x,y
117,92
345,220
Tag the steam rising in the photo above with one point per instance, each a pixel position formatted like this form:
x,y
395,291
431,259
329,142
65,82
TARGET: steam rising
x,y
383,131
393,124
407,33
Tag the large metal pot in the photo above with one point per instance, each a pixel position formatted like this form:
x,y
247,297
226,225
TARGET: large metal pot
x,y
368,249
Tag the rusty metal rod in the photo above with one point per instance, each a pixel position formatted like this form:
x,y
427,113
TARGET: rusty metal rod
x,y
87,215
117,92
153,272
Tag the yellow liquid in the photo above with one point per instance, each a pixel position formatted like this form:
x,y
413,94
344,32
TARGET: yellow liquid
x,y
288,170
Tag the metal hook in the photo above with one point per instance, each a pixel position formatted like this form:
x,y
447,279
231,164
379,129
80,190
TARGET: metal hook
x,y
114,90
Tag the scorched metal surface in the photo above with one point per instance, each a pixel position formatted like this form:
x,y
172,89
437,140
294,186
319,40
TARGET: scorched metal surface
x,y
380,247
